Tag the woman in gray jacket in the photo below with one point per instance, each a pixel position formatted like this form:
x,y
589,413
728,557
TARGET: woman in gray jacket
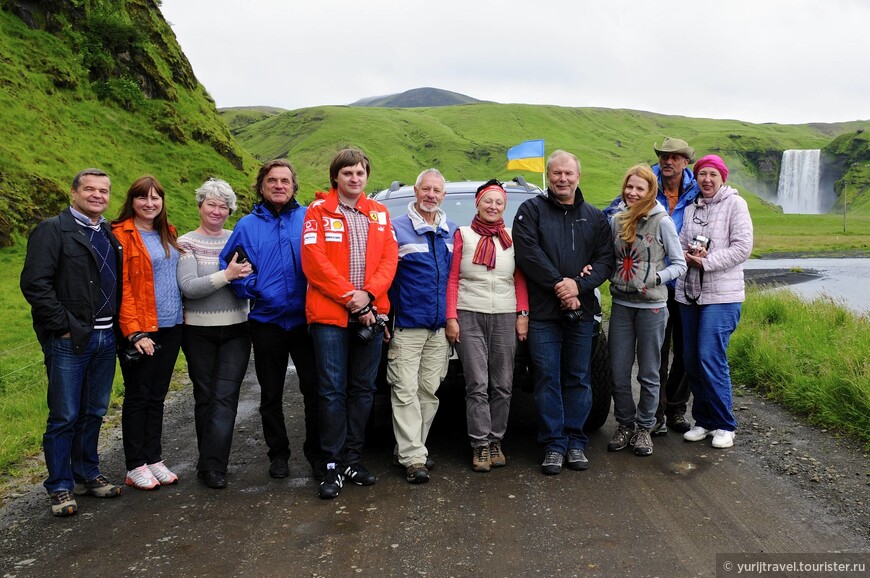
x,y
717,240
648,255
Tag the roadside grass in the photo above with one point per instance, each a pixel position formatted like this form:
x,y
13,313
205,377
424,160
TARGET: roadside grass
x,y
809,356
23,384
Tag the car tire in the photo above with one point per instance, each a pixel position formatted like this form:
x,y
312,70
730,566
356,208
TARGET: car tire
x,y
601,385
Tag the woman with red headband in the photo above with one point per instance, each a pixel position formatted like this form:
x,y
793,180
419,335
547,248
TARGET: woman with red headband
x,y
487,311
717,240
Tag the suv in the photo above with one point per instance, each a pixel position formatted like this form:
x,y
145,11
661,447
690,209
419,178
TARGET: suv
x,y
459,205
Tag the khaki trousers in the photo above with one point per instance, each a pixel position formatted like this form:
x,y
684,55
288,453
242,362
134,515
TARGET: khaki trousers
x,y
416,364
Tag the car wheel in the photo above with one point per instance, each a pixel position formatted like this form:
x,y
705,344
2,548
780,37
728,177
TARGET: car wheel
x,y
601,386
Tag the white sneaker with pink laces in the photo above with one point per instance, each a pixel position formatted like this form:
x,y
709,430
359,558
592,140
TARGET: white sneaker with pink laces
x,y
141,478
163,474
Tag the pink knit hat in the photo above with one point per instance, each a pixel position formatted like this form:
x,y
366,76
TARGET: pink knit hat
x,y
712,161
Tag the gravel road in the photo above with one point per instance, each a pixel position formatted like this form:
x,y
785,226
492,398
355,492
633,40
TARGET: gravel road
x,y
784,487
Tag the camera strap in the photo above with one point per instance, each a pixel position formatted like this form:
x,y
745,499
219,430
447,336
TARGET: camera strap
x,y
689,298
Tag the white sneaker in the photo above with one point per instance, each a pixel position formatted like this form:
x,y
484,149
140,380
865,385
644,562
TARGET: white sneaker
x,y
142,479
163,474
723,438
696,434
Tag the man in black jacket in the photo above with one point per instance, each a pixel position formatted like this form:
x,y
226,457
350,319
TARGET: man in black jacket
x,y
72,280
556,237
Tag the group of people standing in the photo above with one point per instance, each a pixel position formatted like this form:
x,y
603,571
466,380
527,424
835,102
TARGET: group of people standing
x,y
331,284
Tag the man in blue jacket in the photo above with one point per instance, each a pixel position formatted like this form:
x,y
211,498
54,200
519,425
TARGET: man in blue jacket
x,y
677,190
556,237
270,238
419,352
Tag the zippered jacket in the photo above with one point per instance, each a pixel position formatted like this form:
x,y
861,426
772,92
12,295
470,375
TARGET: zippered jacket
x,y
61,279
277,285
419,292
326,258
724,219
553,241
139,303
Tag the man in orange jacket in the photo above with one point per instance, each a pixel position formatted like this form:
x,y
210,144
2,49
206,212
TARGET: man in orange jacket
x,y
349,256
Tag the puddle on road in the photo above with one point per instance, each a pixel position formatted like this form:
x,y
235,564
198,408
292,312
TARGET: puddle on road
x,y
682,468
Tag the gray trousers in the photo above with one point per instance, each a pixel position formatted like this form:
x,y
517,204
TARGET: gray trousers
x,y
487,344
642,330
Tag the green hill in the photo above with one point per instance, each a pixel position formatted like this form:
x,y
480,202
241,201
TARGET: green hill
x,y
416,98
100,83
238,117
470,142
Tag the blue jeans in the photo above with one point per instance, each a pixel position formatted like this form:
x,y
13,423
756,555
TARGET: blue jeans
x,y
560,356
79,387
707,330
346,369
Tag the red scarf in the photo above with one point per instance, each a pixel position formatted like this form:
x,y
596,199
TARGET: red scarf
x,y
484,254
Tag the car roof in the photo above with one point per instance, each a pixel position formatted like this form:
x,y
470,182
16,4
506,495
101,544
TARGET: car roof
x,y
400,190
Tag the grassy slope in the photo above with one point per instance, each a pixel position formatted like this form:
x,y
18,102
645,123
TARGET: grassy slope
x,y
49,133
53,124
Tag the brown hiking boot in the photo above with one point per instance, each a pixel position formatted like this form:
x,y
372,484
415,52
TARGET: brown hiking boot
x,y
480,461
496,457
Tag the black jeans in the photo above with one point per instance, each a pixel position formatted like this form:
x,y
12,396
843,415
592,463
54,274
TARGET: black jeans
x,y
146,383
674,389
273,346
217,359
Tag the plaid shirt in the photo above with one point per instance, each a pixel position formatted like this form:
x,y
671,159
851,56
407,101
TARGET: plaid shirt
x,y
358,230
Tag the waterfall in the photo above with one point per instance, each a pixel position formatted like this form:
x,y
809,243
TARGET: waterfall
x,y
799,190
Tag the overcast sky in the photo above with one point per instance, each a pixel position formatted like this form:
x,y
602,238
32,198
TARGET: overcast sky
x,y
786,61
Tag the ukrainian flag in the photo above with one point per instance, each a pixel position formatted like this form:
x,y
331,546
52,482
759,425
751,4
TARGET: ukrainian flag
x,y
527,156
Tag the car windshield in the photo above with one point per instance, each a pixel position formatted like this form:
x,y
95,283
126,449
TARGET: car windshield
x,y
459,206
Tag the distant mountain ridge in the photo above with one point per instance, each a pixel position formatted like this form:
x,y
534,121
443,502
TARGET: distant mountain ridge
x,y
417,98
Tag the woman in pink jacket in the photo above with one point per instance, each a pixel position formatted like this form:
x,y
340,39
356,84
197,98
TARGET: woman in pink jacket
x,y
717,240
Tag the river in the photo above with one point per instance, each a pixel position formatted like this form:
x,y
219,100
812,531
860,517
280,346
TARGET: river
x,y
845,280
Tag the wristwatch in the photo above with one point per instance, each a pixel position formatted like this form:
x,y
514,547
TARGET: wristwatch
x,y
522,313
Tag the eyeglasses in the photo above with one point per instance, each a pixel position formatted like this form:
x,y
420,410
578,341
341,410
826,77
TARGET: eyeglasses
x,y
695,218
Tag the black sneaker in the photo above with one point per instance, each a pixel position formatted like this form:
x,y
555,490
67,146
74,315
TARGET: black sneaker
x,y
99,487
278,468
359,475
577,460
213,479
63,503
332,483
659,429
679,424
552,463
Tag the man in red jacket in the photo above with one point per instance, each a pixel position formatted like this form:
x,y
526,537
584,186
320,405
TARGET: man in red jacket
x,y
349,256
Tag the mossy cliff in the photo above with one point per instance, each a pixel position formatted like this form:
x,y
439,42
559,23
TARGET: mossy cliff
x,y
102,83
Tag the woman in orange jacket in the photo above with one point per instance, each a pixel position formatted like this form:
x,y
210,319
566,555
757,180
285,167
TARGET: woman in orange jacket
x,y
151,320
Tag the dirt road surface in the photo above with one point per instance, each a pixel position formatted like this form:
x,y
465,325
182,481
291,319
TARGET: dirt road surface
x,y
784,487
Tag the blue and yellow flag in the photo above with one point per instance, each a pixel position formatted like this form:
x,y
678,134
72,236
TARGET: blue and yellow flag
x,y
527,156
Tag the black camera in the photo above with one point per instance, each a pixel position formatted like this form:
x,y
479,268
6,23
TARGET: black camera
x,y
698,242
367,333
131,354
571,317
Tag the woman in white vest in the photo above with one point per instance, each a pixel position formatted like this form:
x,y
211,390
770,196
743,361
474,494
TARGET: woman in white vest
x,y
487,311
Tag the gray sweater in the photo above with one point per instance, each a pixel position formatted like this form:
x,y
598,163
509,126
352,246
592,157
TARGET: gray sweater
x,y
208,299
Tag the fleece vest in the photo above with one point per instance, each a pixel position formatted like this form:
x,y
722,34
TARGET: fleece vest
x,y
634,278
482,290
